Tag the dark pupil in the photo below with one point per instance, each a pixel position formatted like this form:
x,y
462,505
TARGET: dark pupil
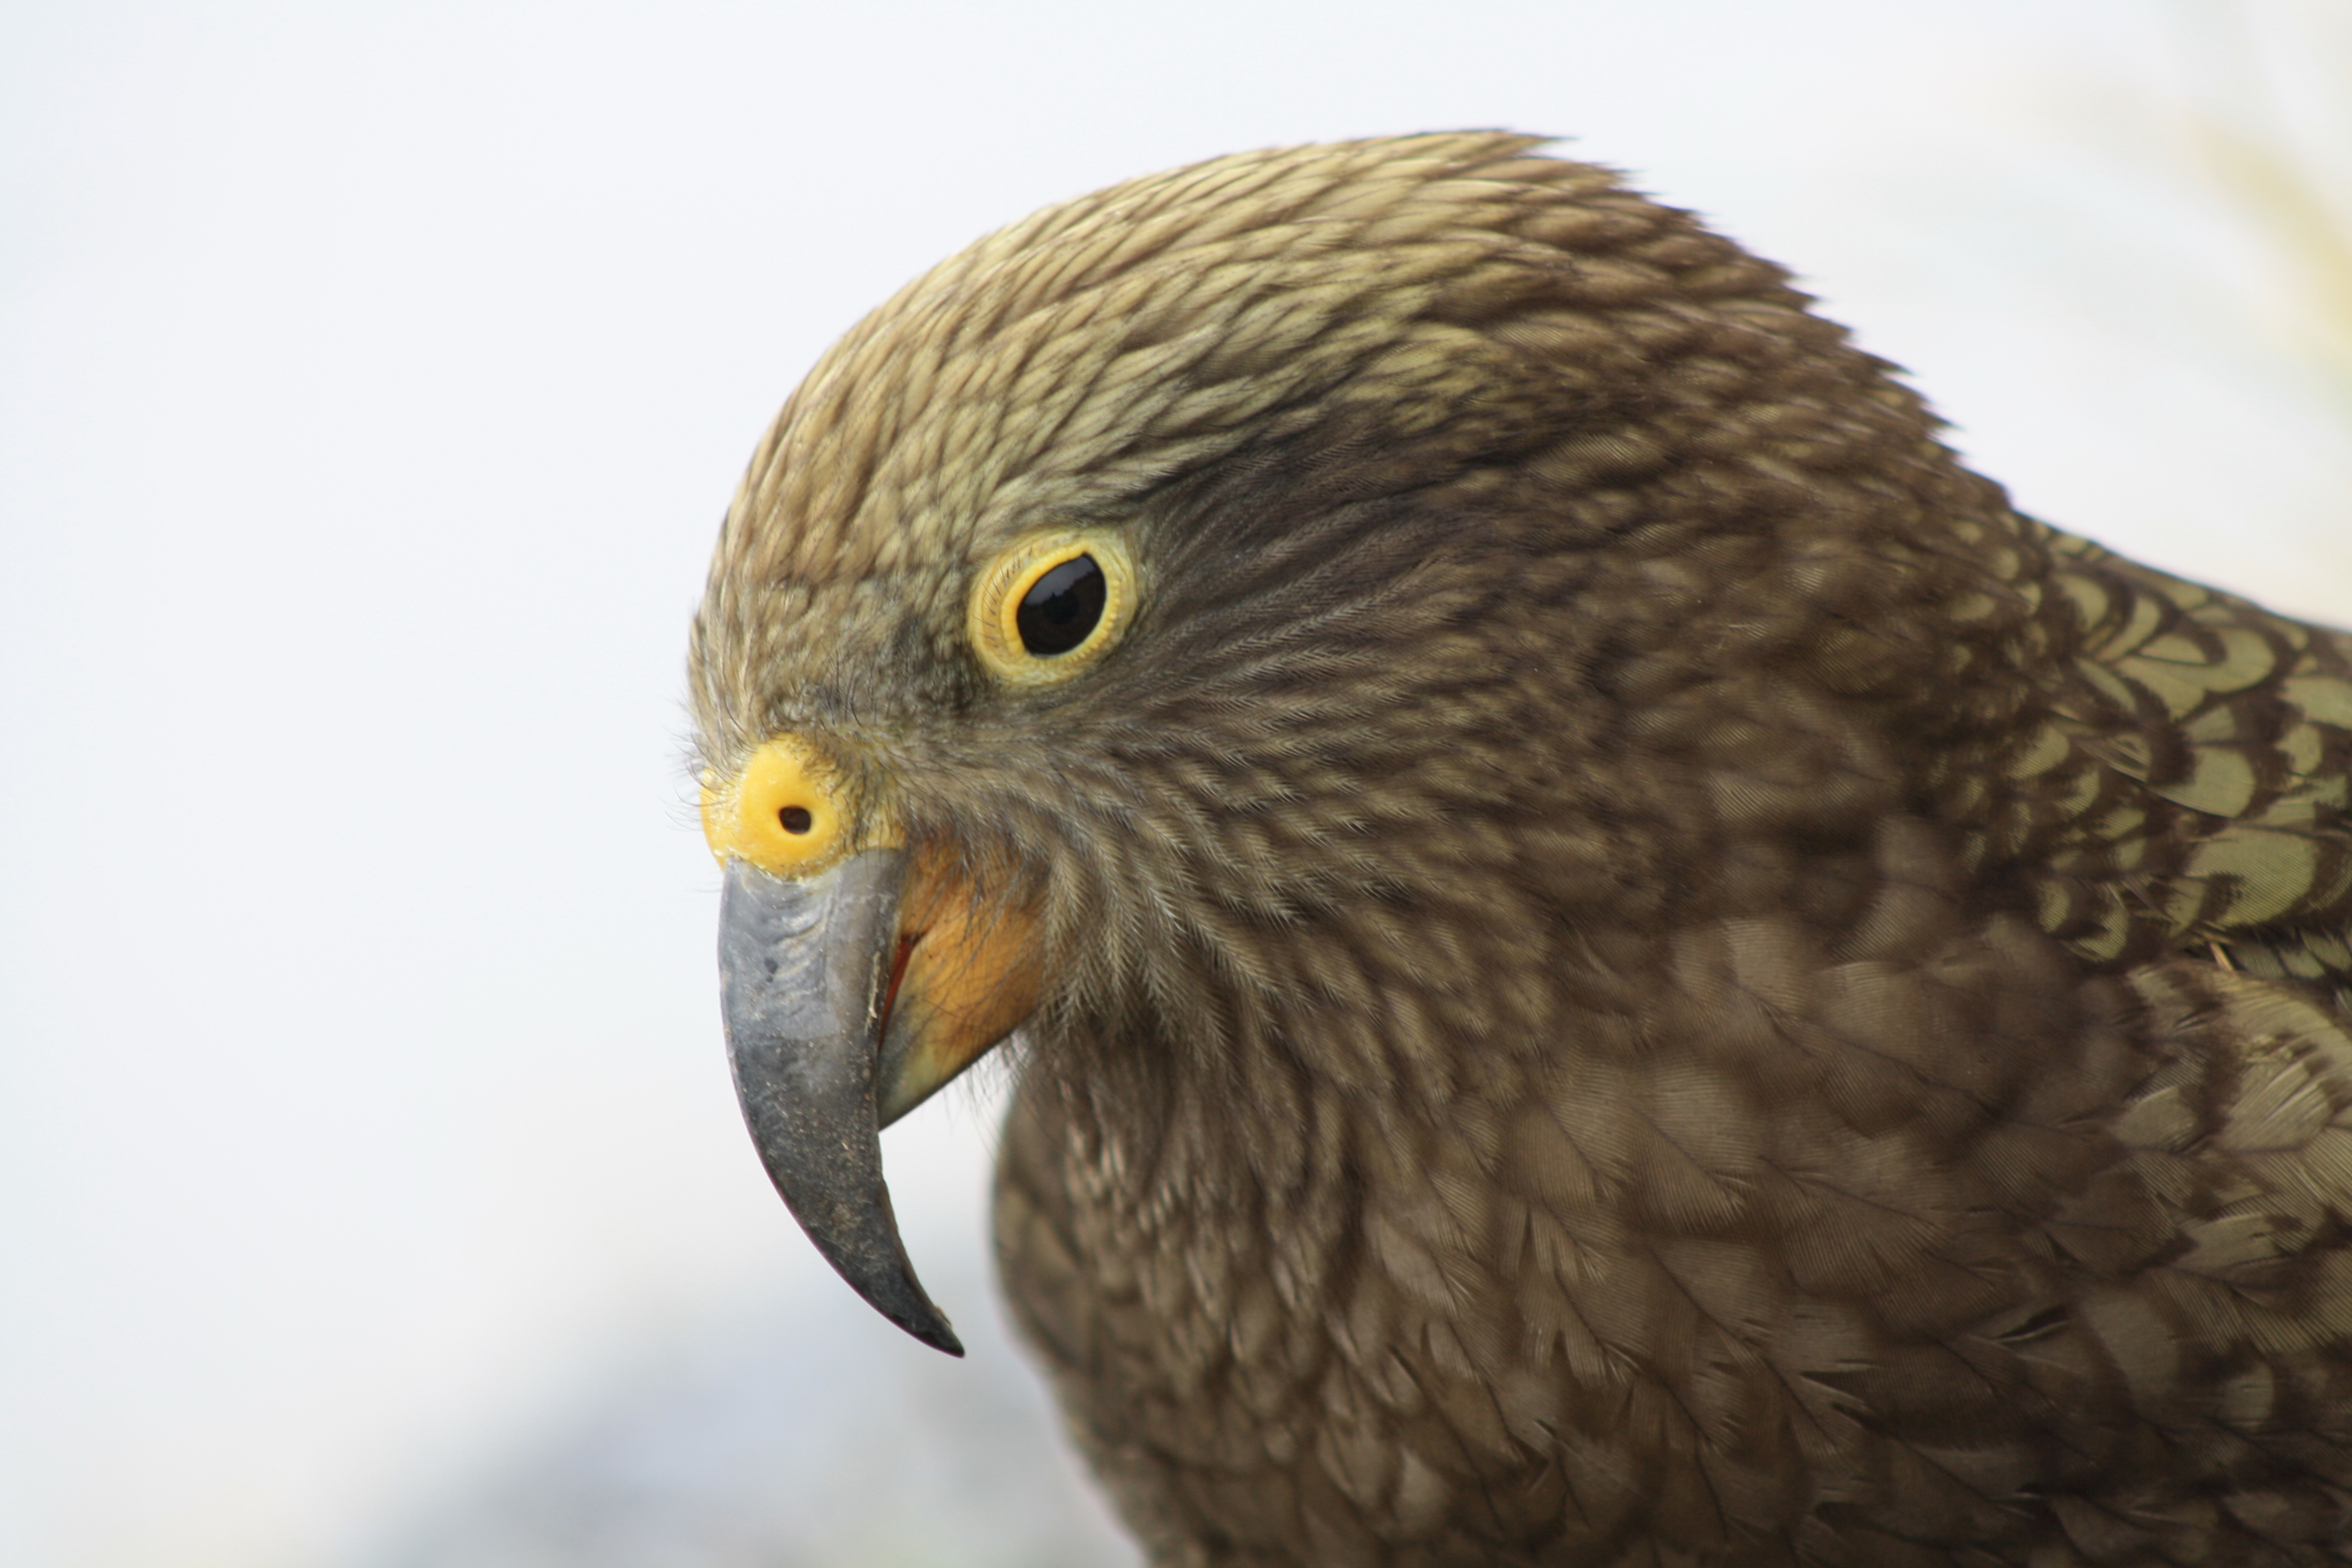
x,y
1061,607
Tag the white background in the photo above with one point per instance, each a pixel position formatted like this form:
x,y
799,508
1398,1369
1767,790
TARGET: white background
x,y
371,381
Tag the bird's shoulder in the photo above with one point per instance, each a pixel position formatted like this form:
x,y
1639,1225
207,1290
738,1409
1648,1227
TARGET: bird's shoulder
x,y
2184,779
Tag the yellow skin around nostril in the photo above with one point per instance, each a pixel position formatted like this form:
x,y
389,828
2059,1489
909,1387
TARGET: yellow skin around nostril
x,y
788,812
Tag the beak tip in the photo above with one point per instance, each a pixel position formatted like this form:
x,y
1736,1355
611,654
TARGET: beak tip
x,y
938,1335
897,1295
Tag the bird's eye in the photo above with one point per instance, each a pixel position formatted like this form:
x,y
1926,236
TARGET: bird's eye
x,y
1061,607
1050,605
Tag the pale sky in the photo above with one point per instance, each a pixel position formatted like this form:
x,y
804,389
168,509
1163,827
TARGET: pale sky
x,y
371,381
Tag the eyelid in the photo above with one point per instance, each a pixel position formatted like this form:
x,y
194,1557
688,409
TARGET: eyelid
x,y
990,618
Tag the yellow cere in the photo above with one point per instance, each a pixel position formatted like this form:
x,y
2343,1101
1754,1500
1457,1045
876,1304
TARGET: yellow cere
x,y
787,812
992,618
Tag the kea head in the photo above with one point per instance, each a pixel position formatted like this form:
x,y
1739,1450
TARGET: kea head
x,y
1275,609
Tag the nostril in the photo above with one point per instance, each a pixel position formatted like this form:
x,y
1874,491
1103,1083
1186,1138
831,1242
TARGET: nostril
x,y
796,819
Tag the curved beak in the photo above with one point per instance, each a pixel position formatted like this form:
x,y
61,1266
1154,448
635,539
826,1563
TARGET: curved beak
x,y
807,969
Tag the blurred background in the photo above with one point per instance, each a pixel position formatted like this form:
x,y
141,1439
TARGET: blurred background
x,y
371,381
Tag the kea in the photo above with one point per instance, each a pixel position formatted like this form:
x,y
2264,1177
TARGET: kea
x,y
1607,959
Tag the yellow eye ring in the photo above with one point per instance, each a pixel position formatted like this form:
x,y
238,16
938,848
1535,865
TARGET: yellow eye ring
x,y
1051,605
